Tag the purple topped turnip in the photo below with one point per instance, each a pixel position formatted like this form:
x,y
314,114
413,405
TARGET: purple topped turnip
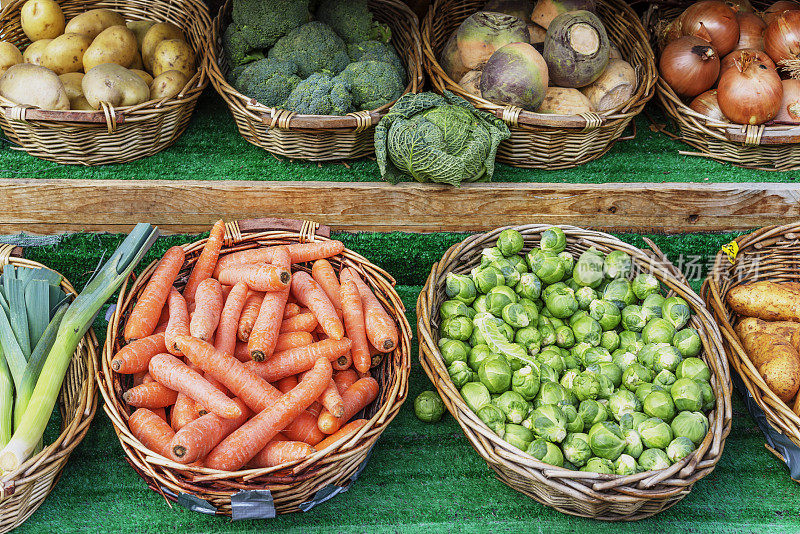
x,y
546,10
515,75
576,49
516,8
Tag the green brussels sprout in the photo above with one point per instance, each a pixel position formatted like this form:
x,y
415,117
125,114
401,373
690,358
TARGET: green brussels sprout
x,y
550,423
645,389
546,452
486,278
525,381
631,421
480,305
692,425
428,407
513,405
658,331
679,448
687,395
676,311
659,404
552,358
460,373
619,293
531,310
564,337
547,374
453,308
687,341
653,460
460,287
606,387
471,313
570,282
656,434
557,323
625,465
709,399
630,341
665,379
606,313
612,371
545,317
599,465
496,338
510,273
534,258
644,285
647,355
667,358
498,298
653,303
529,286
592,412
577,316
494,418
548,334
568,261
606,440
456,328
633,441
551,393
530,338
570,360
634,375
515,316
588,269
553,240
693,368
633,318
617,264
610,341
548,267
586,386
477,338
561,303
519,264
477,355
570,466
623,401
518,436
510,242
475,395
495,373
574,421
490,255
587,330
623,358
453,350
580,348
576,449
568,379
595,355
585,295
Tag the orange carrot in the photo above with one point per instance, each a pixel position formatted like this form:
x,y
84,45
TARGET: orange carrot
x,y
304,322
343,362
291,340
355,399
293,361
146,379
322,272
332,400
206,262
285,385
216,383
161,327
353,312
161,412
257,276
229,320
197,438
145,314
249,315
316,409
248,440
176,375
208,308
298,253
291,310
178,321
151,430
184,412
226,290
311,294
138,377
280,451
150,395
381,328
317,250
134,357
348,429
345,379
242,352
268,324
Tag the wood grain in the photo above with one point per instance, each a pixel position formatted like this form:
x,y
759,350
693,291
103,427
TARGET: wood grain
x,y
51,206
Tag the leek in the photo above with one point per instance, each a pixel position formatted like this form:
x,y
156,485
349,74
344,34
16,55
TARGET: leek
x,y
18,316
77,320
37,305
6,402
13,353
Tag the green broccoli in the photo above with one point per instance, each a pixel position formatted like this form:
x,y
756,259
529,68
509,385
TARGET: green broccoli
x,y
375,51
314,47
352,20
263,22
237,50
320,94
268,81
373,83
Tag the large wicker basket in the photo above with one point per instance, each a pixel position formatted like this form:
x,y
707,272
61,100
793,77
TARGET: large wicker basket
x,y
316,137
774,147
606,497
24,490
289,487
109,135
550,141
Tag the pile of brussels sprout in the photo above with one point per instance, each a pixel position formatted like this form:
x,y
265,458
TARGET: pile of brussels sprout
x,y
574,363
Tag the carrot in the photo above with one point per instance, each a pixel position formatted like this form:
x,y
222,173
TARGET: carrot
x,y
216,383
208,308
134,357
150,395
332,400
345,379
257,276
145,314
178,321
291,310
316,409
317,250
197,438
291,340
353,312
229,320
146,379
322,272
242,352
249,315
206,262
268,324
304,322
285,385
226,290
248,440
138,377
381,329
280,451
176,375
184,412
161,412
151,430
350,428
343,362
311,294
298,253
293,361
355,399
162,320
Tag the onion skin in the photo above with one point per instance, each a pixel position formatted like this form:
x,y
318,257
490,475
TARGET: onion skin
x,y
706,104
782,37
740,6
751,93
773,11
713,21
728,61
751,31
789,111
689,65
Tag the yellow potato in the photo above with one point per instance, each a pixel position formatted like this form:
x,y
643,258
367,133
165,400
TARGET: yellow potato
x,y
72,85
140,29
786,330
80,104
137,62
157,33
93,22
9,56
32,85
33,54
766,300
143,75
168,84
173,54
65,53
116,44
41,19
115,85
777,362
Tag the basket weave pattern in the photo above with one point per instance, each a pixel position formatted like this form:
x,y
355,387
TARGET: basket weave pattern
x,y
605,497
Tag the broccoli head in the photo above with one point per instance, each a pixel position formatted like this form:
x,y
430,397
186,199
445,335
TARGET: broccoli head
x,y
376,51
237,50
314,47
263,22
352,20
268,81
320,94
373,83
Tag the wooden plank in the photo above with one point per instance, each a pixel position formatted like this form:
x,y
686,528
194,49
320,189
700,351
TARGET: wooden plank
x,y
50,206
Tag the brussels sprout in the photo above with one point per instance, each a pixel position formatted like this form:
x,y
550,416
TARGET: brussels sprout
x,y
510,242
456,328
665,379
453,350
453,308
656,434
644,285
659,404
599,465
568,379
580,348
577,316
548,334
557,323
480,305
494,418
653,303
606,440
587,330
633,442
574,421
687,341
570,360
498,298
634,375
510,273
606,387
475,395
561,303
548,267
676,311
550,423
606,313
553,240
585,295
525,381
631,421
653,460
595,355
610,341
658,331
551,393
633,318
477,355
592,412
496,339
679,448
428,407
667,358
460,373
529,286
625,465
486,278
693,368
645,389
619,292
612,371
623,401
709,399
546,452
570,282
495,373
647,354
534,258
547,374
545,317
576,449
623,358
518,436
586,386
588,269
519,264
630,341
477,338
564,337
531,310
552,358
618,264
515,316
568,261
687,395
692,425
490,255
460,287
513,405
530,338
471,312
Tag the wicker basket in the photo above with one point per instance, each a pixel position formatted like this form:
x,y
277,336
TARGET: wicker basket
x,y
769,148
316,137
291,486
109,135
606,497
24,490
551,141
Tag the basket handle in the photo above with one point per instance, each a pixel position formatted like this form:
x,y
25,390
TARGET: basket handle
x,y
759,135
308,230
34,114
632,136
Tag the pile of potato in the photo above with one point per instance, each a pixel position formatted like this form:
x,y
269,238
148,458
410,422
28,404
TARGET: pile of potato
x,y
95,57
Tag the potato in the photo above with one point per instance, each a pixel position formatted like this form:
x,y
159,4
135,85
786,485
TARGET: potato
x,y
137,62
168,84
9,56
65,53
41,19
786,330
140,29
33,85
777,361
115,85
143,75
796,406
766,300
93,22
72,84
116,44
33,54
157,33
173,54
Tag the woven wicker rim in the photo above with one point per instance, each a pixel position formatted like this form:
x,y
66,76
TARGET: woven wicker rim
x,y
668,485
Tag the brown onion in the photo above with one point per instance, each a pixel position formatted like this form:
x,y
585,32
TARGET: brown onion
x,y
689,65
790,103
750,93
740,6
773,11
728,61
751,31
782,37
713,21
706,104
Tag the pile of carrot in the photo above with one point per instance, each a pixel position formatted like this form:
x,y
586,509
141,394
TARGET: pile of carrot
x,y
254,363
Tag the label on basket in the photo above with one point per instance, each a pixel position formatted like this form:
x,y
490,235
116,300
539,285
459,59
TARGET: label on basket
x,y
731,249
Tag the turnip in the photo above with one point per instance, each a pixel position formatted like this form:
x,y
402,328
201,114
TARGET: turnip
x,y
576,49
614,87
471,82
546,10
516,8
515,75
564,101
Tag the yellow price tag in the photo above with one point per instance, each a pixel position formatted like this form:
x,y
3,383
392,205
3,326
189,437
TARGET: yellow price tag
x,y
731,249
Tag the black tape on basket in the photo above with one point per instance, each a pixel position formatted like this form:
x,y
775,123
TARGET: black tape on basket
x,y
252,504
330,491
